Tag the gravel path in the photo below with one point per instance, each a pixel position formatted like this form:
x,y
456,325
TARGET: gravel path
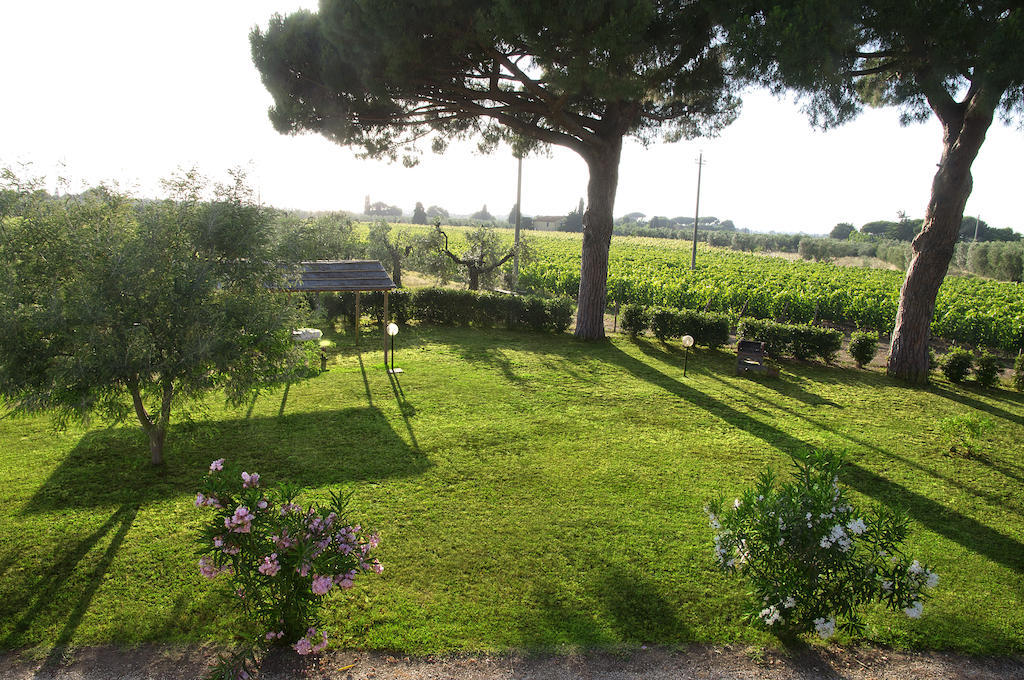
x,y
158,662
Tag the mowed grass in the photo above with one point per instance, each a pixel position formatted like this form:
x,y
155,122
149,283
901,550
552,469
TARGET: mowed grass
x,y
532,492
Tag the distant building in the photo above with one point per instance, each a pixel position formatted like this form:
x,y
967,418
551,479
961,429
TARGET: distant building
x,y
548,222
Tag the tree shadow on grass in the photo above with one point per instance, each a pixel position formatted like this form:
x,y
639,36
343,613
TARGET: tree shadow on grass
x,y
628,609
63,581
110,467
968,532
992,499
968,400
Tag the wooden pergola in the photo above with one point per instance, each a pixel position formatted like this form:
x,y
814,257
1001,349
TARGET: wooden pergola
x,y
316,276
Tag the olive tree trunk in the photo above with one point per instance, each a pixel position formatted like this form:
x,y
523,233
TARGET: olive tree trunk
x,y
597,238
155,428
964,129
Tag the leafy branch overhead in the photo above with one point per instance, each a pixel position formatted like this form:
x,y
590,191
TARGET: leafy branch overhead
x,y
383,77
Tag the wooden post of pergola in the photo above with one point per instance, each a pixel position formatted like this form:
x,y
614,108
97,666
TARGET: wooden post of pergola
x,y
347,276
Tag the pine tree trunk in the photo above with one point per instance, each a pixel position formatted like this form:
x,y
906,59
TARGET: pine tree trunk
x,y
934,246
597,238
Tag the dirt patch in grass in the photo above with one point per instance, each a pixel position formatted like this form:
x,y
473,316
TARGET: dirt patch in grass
x,y
697,661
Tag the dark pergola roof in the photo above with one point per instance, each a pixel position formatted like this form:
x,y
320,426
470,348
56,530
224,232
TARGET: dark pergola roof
x,y
343,275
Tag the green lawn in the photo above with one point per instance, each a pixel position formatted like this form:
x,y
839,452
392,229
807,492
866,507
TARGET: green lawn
x,y
531,491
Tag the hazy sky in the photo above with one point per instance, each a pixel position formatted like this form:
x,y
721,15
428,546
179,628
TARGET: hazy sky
x,y
129,91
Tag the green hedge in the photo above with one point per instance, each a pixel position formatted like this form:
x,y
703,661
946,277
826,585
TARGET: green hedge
x,y
706,329
451,307
635,319
801,341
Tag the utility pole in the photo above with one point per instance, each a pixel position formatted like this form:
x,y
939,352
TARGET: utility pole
x,y
519,213
696,214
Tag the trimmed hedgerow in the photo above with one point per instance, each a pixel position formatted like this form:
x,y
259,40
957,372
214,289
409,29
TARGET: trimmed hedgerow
x,y
1018,373
451,307
706,329
800,341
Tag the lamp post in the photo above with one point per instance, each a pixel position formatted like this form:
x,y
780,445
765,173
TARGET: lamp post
x,y
687,344
393,331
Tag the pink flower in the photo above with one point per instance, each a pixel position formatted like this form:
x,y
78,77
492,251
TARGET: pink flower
x,y
217,465
241,521
250,481
274,636
209,570
200,500
346,583
322,645
303,570
303,647
262,505
322,584
270,565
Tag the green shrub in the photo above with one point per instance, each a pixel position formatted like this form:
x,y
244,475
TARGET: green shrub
x,y
801,341
635,320
957,364
707,329
986,369
664,324
775,336
560,313
449,307
1018,373
811,559
963,432
536,314
863,347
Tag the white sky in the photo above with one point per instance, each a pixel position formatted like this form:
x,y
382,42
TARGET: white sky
x,y
128,91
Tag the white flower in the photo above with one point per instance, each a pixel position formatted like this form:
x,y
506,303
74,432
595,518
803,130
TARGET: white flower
x,y
770,615
916,569
933,579
789,603
857,526
825,628
737,503
825,542
914,610
887,586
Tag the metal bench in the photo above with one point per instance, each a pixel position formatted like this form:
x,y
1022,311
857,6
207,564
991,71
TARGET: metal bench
x,y
750,357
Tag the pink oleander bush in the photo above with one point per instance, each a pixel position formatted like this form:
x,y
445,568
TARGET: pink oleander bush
x,y
283,560
810,557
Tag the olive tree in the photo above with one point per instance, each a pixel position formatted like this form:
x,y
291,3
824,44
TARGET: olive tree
x,y
126,309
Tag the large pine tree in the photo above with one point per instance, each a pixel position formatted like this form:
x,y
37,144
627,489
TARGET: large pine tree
x,y
961,62
381,76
